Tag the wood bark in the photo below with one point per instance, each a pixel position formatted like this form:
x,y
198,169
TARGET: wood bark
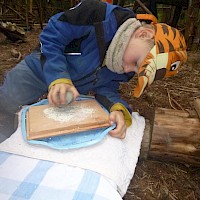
x,y
197,106
174,136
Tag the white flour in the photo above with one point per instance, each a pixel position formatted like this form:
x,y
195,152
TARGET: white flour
x,y
68,113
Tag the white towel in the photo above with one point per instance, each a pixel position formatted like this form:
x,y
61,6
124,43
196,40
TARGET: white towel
x,y
112,157
23,178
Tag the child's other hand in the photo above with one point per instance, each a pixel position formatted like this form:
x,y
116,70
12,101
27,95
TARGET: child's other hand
x,y
120,130
57,93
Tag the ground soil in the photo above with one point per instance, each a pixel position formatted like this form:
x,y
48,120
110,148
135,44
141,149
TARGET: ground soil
x,y
153,179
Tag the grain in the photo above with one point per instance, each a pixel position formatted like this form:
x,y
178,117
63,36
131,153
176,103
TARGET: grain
x,y
69,113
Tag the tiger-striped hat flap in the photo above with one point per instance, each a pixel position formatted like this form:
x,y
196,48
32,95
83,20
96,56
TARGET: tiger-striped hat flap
x,y
164,59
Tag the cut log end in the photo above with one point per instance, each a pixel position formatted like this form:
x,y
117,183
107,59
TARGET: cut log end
x,y
175,136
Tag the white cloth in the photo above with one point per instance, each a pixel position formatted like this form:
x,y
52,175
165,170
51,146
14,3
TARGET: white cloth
x,y
27,178
113,158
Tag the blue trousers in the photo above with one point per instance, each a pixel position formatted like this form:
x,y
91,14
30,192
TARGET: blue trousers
x,y
21,87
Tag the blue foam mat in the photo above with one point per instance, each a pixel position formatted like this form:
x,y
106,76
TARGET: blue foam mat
x,y
68,141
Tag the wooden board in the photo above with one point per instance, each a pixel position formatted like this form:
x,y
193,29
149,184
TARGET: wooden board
x,y
45,121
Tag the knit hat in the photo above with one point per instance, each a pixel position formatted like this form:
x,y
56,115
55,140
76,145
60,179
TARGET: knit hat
x,y
116,49
163,60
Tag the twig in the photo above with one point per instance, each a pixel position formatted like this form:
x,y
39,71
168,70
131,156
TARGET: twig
x,y
188,89
170,100
177,104
183,88
193,185
143,7
167,191
19,14
19,57
184,175
133,195
191,195
176,168
170,194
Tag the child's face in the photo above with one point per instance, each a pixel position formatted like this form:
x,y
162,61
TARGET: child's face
x,y
136,51
134,55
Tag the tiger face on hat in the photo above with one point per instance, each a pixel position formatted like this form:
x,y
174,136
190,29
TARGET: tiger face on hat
x,y
164,59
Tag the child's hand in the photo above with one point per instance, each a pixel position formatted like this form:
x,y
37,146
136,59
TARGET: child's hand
x,y
57,93
120,130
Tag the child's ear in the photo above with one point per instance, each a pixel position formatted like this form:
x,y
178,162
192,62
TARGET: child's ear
x,y
144,33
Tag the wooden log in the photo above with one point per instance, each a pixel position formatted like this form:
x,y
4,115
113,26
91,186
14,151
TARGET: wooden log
x,y
197,106
175,137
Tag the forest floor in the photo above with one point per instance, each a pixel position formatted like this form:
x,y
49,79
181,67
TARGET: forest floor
x,y
153,179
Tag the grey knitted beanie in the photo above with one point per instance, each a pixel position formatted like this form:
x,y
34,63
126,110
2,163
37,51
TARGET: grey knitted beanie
x,y
115,52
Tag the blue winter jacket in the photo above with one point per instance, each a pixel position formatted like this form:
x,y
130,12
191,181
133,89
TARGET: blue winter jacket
x,y
73,46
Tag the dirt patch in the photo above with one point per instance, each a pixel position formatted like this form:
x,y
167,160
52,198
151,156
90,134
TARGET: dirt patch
x,y
14,52
152,179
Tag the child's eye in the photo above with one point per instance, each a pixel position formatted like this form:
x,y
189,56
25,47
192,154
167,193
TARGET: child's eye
x,y
174,66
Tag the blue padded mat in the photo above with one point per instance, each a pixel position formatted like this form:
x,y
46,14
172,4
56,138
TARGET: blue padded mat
x,y
68,141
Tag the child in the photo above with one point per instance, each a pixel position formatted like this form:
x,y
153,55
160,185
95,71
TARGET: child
x,y
92,48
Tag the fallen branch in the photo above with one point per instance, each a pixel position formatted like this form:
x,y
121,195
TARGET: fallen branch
x,y
188,89
177,104
170,100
